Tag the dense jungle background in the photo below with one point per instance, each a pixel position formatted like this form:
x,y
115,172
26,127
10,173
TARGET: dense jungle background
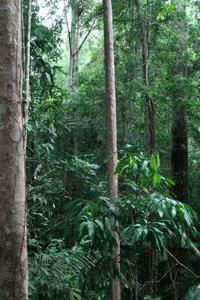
x,y
71,219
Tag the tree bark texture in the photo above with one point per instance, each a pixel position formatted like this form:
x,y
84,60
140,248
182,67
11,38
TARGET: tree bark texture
x,y
13,254
27,98
111,130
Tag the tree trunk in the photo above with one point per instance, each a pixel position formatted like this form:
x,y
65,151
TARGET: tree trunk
x,y
111,134
150,123
179,151
178,72
27,97
149,103
13,254
76,7
179,147
74,40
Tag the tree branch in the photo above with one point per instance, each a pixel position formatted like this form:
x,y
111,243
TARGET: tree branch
x,y
180,263
85,38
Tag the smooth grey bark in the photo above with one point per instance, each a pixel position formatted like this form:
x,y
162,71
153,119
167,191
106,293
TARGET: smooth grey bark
x,y
75,47
74,42
13,253
111,131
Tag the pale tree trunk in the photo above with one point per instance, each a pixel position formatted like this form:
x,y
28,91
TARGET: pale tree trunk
x,y
111,134
13,258
76,8
27,97
75,46
74,43
73,37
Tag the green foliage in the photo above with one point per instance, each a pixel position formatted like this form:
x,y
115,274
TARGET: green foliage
x,y
151,298
148,219
58,273
193,293
66,165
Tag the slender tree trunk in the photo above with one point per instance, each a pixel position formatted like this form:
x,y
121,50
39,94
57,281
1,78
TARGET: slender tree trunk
x,y
74,35
179,146
74,40
13,258
179,150
149,103
27,98
111,135
150,121
178,72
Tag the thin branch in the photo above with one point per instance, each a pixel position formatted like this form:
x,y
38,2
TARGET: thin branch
x,y
180,263
85,38
165,274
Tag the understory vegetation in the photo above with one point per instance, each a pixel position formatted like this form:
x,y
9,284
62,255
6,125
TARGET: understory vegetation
x,y
71,220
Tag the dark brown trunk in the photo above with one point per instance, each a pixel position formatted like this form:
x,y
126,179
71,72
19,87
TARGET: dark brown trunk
x,y
178,74
13,254
179,151
179,147
111,135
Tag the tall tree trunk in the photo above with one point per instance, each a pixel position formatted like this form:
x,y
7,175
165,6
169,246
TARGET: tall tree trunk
x,y
27,98
111,128
74,42
179,146
178,72
149,103
13,260
179,151
73,37
150,121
